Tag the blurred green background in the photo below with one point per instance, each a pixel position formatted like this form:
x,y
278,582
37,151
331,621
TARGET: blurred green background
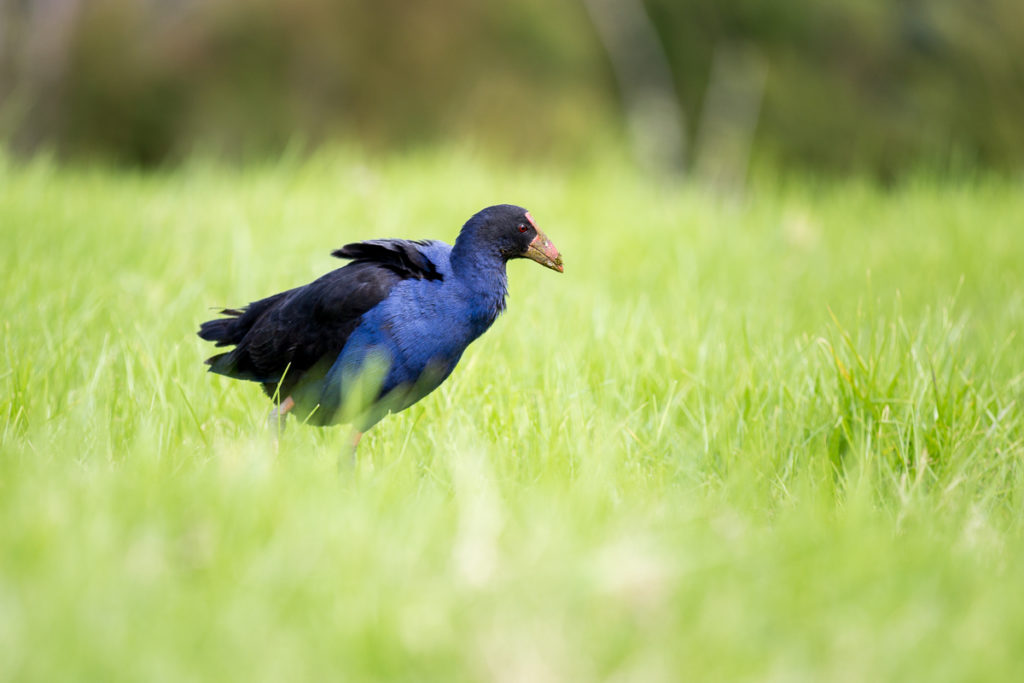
x,y
877,86
774,435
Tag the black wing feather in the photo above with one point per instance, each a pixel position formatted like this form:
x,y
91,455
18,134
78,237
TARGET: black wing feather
x,y
278,339
401,256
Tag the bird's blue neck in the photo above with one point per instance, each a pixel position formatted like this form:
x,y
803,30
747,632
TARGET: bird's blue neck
x,y
481,269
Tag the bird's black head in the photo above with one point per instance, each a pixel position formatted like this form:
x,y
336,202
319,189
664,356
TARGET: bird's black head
x,y
512,231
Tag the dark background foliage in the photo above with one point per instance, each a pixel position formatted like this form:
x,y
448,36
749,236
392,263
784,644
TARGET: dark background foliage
x,y
843,86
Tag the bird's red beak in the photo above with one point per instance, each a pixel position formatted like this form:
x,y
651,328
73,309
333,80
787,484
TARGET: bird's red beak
x,y
542,250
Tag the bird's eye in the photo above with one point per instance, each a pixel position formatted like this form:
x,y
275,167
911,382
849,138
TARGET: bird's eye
x,y
522,227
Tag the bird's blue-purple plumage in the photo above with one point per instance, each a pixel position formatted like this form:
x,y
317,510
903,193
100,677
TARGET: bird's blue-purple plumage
x,y
418,333
408,309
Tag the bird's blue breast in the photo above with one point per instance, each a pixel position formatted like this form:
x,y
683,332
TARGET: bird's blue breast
x,y
418,333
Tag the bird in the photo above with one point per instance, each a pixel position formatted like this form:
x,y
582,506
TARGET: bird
x,y
380,333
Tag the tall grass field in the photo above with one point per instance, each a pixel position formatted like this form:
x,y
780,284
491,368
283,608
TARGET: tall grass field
x,y
775,436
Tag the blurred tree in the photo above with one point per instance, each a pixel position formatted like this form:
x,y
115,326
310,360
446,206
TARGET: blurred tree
x,y
654,113
846,85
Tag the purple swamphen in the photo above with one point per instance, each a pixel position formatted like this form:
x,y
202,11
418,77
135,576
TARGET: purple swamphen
x,y
402,313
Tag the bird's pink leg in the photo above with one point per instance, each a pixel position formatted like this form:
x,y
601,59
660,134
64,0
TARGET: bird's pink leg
x,y
356,436
279,414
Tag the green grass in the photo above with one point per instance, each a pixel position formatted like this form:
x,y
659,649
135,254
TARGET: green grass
x,y
777,438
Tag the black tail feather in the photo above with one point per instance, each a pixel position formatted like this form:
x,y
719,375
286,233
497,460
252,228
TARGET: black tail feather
x,y
227,364
220,363
224,331
231,331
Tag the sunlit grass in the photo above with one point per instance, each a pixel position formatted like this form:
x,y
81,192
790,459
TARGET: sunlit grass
x,y
770,437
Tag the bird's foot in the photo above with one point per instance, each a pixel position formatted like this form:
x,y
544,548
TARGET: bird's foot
x,y
279,415
356,436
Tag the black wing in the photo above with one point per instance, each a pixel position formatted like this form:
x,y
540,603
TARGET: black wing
x,y
403,257
285,335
